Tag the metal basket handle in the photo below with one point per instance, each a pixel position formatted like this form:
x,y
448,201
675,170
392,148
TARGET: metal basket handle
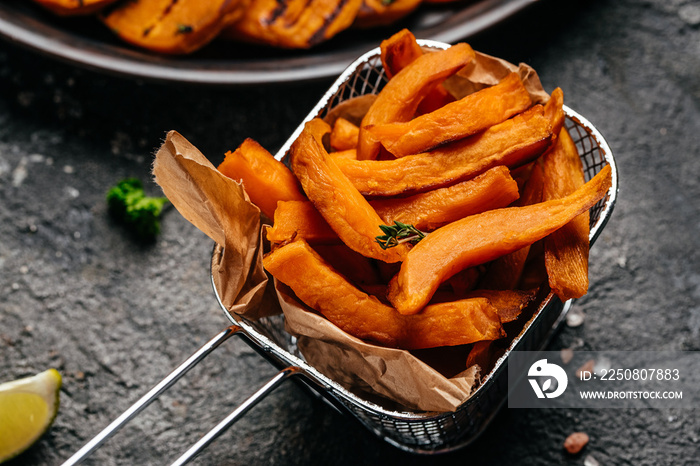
x,y
153,394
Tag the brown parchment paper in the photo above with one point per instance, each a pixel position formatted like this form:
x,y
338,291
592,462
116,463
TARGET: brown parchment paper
x,y
355,364
486,70
220,208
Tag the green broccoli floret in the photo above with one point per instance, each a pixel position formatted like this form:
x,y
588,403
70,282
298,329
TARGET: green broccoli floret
x,y
128,203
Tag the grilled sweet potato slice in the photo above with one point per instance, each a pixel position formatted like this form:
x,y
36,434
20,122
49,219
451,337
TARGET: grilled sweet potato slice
x,y
74,7
373,13
427,211
294,24
464,117
341,205
266,179
483,237
322,288
512,143
399,99
566,250
172,26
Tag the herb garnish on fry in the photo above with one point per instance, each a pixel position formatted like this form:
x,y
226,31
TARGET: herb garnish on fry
x,y
398,233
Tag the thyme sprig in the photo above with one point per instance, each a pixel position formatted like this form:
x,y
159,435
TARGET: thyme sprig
x,y
398,233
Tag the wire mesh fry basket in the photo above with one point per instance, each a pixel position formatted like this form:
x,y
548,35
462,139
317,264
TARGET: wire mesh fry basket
x,y
416,432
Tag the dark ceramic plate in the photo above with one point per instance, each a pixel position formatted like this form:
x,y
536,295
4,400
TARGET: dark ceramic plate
x,y
86,42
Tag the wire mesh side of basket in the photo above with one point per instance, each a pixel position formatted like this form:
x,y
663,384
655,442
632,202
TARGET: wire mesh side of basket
x,y
436,432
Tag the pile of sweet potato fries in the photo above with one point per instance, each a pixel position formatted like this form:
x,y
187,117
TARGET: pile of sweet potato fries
x,y
428,221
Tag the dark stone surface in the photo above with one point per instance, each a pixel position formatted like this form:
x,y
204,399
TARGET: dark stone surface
x,y
114,316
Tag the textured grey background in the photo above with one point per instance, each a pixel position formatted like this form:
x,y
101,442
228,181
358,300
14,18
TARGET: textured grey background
x,y
114,317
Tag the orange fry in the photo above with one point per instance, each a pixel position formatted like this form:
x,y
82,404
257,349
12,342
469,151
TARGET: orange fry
x,y
358,269
566,250
322,288
512,143
504,273
456,120
341,205
509,303
482,355
398,51
483,237
426,211
554,110
344,135
265,179
300,219
398,100
345,154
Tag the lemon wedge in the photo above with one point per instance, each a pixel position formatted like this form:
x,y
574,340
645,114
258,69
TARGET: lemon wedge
x,y
27,408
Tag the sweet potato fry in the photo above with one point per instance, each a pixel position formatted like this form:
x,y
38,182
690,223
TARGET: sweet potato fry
x,y
398,100
435,99
341,205
482,355
452,323
456,120
399,51
512,143
300,219
344,154
504,273
358,269
266,179
566,250
508,303
344,135
427,211
554,110
483,237
459,284
322,288
535,272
